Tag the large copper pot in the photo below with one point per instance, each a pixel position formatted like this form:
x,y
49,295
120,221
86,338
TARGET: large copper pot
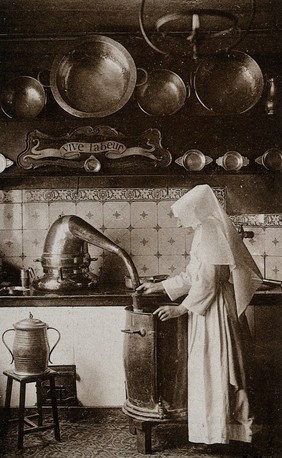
x,y
94,79
155,362
31,350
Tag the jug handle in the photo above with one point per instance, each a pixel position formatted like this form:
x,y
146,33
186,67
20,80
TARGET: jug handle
x,y
6,344
59,337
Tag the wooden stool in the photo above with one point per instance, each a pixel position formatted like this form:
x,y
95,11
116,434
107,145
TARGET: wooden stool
x,y
22,419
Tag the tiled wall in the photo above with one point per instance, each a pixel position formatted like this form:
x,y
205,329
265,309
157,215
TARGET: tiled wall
x,y
139,220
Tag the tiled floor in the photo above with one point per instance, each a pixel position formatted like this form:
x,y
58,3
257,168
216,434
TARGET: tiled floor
x,y
104,433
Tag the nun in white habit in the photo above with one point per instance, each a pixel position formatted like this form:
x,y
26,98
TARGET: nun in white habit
x,y
217,287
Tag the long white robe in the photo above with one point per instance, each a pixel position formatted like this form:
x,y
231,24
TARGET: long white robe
x,y
218,407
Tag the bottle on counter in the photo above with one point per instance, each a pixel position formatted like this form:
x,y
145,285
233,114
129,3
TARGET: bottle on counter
x,y
271,97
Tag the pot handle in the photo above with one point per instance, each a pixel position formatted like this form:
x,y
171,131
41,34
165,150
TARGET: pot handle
x,y
141,332
145,78
44,75
3,340
59,337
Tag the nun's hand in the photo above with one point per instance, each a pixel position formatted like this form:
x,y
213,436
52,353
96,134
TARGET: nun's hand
x,y
166,312
150,287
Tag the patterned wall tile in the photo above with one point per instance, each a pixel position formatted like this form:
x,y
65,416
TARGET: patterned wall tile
x,y
116,214
171,241
120,237
273,241
91,195
144,241
146,265
35,215
57,209
11,216
256,245
111,194
122,194
92,212
50,195
273,220
12,196
248,220
33,242
11,242
172,265
260,262
165,215
273,267
144,214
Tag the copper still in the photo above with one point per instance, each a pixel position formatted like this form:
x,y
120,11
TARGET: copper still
x,y
155,362
31,350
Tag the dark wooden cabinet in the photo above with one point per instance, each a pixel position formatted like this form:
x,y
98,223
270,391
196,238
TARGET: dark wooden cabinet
x,y
268,364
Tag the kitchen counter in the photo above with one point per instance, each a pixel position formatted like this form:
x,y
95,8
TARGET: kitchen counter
x,y
108,296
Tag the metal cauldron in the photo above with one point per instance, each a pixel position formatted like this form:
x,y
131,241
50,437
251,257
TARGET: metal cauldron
x,y
31,350
155,362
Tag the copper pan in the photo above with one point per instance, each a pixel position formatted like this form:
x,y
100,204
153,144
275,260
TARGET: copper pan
x,y
228,82
94,79
162,93
23,97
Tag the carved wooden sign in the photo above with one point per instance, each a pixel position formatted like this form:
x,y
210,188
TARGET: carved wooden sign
x,y
86,147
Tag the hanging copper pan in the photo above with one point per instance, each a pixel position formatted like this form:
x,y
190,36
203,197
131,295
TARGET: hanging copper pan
x,y
228,83
23,97
94,79
162,93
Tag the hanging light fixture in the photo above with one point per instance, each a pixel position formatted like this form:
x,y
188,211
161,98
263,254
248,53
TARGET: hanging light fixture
x,y
197,34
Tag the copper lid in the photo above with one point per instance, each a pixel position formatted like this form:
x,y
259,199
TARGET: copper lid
x,y
30,324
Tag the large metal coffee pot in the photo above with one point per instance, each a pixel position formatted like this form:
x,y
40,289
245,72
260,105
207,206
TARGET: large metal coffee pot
x,y
31,350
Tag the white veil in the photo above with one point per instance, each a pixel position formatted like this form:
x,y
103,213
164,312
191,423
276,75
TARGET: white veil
x,y
220,242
